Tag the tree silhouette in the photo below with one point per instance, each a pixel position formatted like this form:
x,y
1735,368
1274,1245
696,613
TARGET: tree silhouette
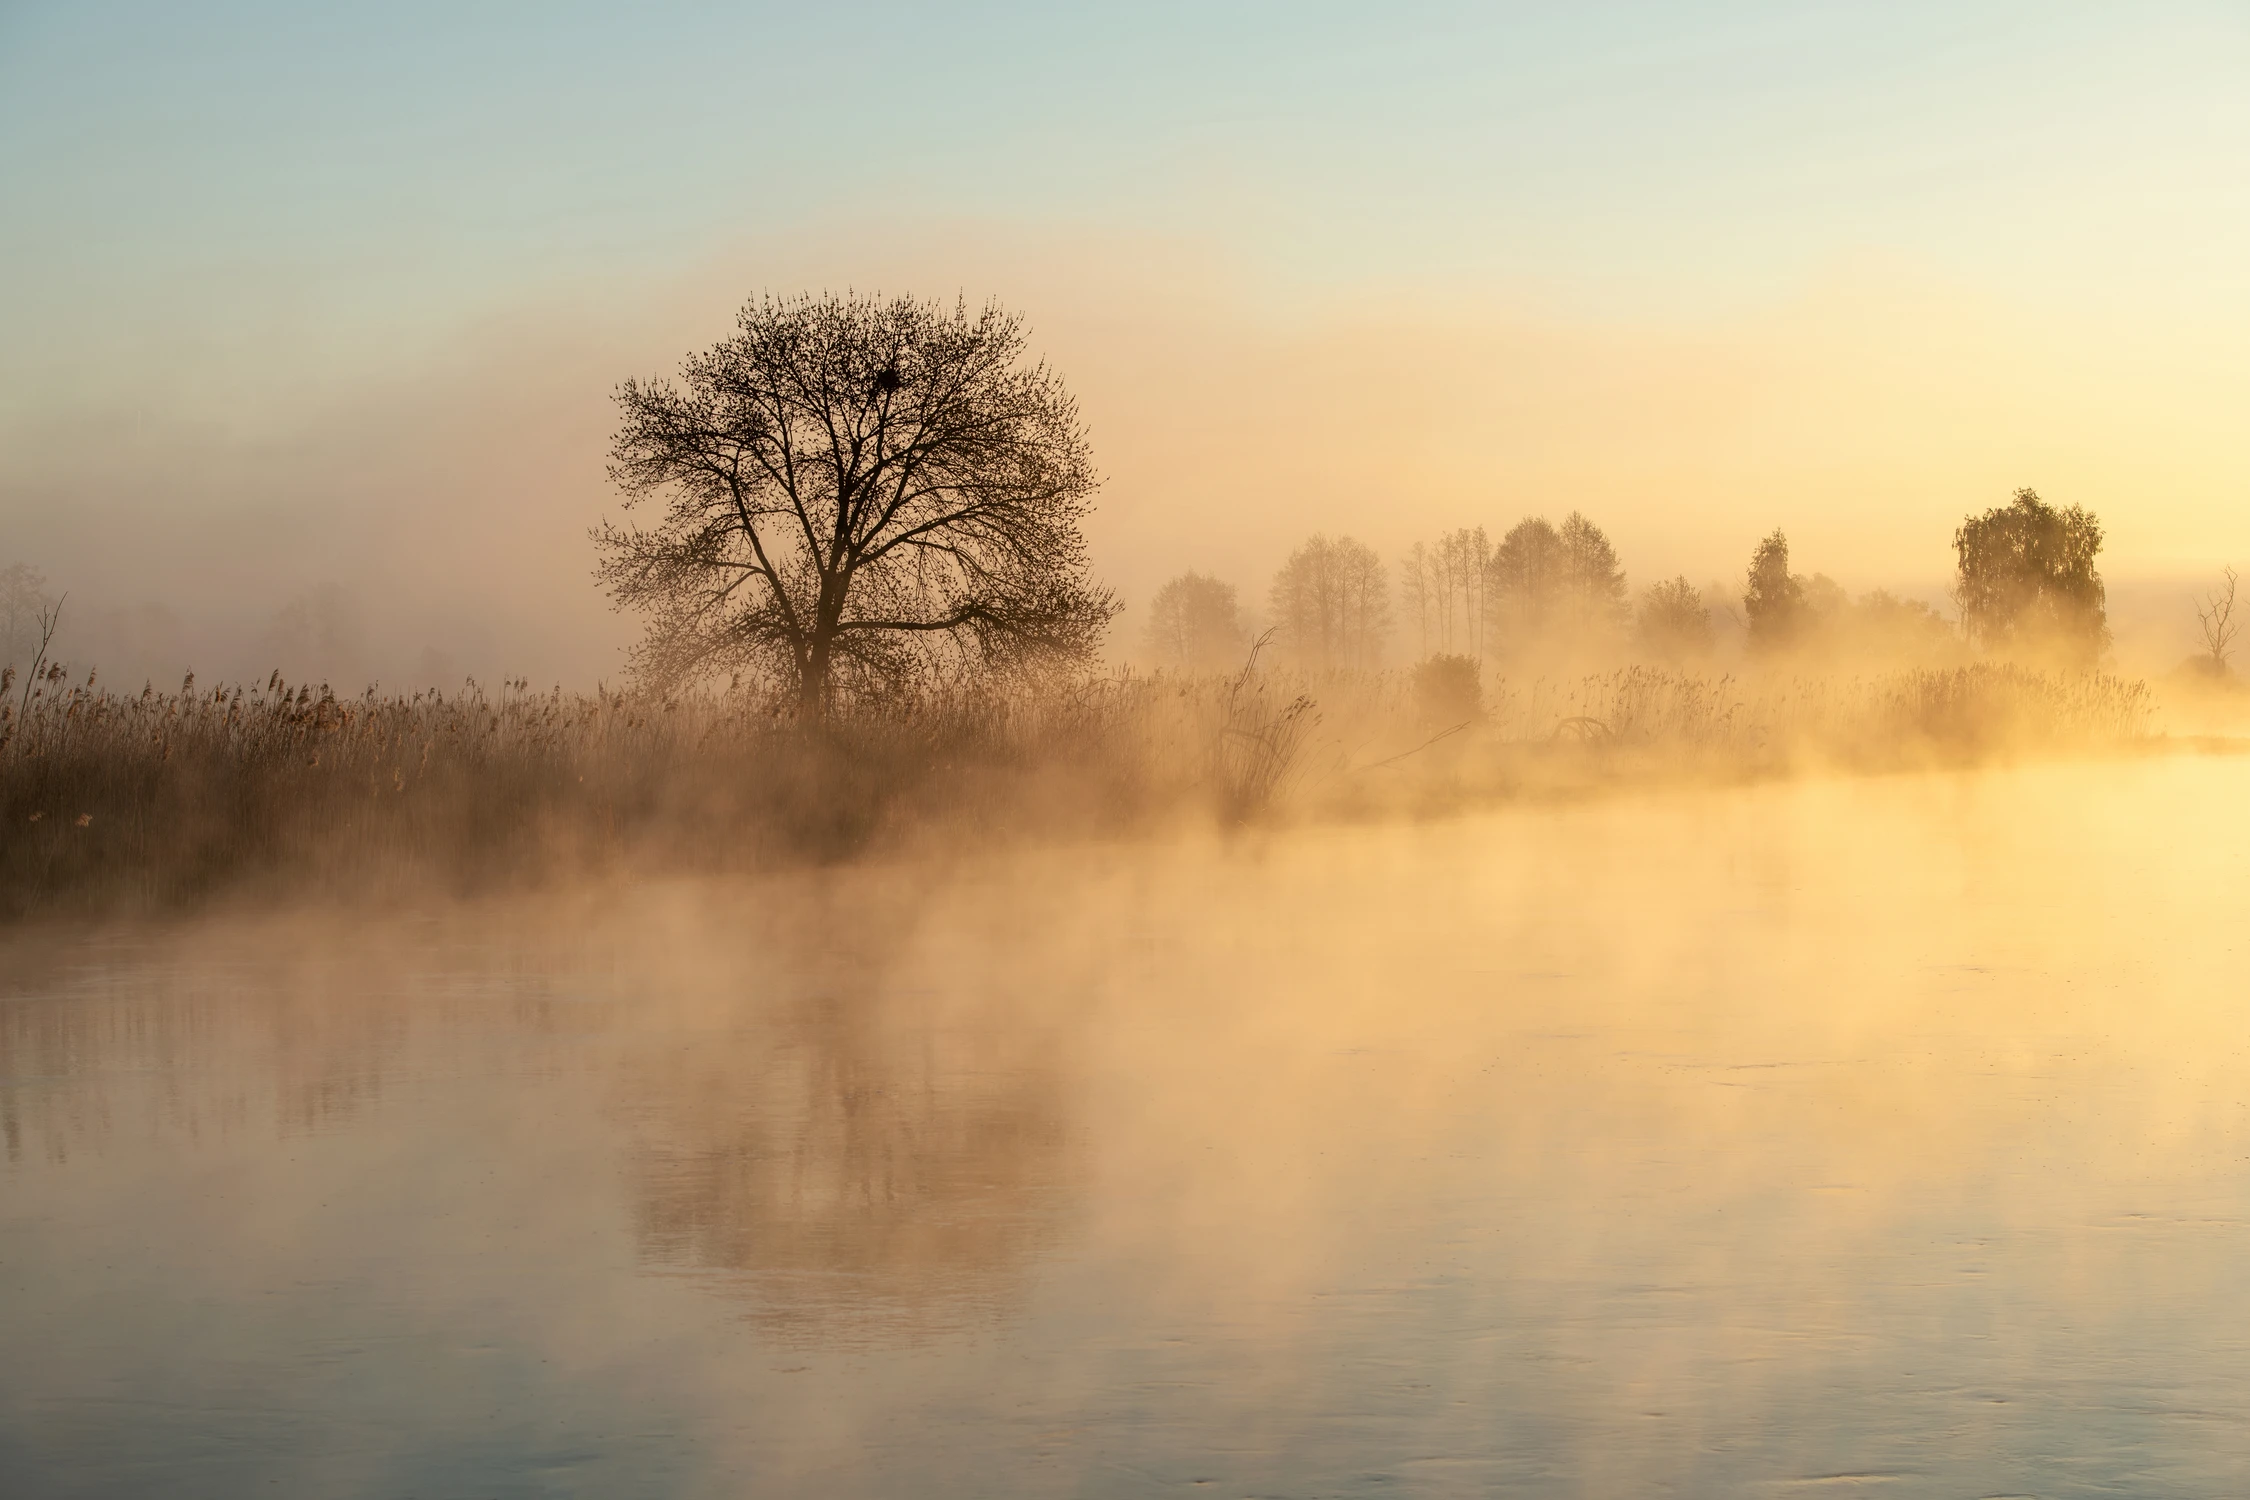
x,y
1195,622
856,494
1444,584
1554,585
2026,580
1773,599
1674,624
1593,582
2215,618
1331,607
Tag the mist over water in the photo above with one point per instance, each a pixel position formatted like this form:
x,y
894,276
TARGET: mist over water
x,y
1810,1137
1115,752
421,519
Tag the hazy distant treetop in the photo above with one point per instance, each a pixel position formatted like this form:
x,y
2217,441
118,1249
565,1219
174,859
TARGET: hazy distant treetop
x,y
1593,580
1195,623
1555,586
1901,630
1527,575
1773,598
1824,597
1674,624
1331,604
1878,629
2026,581
1446,587
856,493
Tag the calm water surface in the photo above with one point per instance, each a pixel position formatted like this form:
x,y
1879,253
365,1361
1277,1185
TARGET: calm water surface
x,y
1890,1135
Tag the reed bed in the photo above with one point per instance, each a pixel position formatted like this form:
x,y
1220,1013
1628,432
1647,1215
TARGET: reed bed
x,y
1938,714
1569,734
154,801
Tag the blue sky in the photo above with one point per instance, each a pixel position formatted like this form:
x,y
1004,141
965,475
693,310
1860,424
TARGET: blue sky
x,y
413,160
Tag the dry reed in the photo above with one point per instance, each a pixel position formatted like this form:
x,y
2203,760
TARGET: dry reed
x,y
163,800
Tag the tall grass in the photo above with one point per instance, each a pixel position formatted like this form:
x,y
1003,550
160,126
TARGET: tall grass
x,y
161,800
1938,714
1638,724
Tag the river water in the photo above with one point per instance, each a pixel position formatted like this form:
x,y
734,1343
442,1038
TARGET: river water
x,y
1886,1135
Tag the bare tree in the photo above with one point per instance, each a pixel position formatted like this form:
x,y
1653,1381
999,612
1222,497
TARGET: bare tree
x,y
1417,590
1444,585
1331,606
856,493
2216,617
1195,622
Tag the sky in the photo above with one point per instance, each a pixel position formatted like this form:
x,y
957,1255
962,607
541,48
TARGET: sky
x,y
314,311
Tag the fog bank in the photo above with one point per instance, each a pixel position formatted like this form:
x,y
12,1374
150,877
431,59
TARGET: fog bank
x,y
419,514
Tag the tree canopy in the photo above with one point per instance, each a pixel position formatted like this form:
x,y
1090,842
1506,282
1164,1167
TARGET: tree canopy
x,y
2026,582
855,495
1331,604
1195,622
1674,624
1555,585
1773,598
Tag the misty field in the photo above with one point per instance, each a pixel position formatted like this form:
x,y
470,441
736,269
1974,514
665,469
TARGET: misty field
x,y
153,801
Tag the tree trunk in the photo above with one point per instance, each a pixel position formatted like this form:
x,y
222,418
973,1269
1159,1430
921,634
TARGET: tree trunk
x,y
812,685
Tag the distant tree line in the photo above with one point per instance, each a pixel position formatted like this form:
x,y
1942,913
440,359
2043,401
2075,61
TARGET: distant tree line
x,y
858,500
1545,590
2025,586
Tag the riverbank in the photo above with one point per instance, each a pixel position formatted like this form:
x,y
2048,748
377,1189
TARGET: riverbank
x,y
150,802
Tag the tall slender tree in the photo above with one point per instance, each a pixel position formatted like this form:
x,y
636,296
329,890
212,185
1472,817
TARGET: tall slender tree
x,y
1444,584
1773,598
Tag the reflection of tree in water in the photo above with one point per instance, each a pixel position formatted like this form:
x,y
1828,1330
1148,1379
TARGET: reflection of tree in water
x,y
206,1042
850,1167
77,1068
